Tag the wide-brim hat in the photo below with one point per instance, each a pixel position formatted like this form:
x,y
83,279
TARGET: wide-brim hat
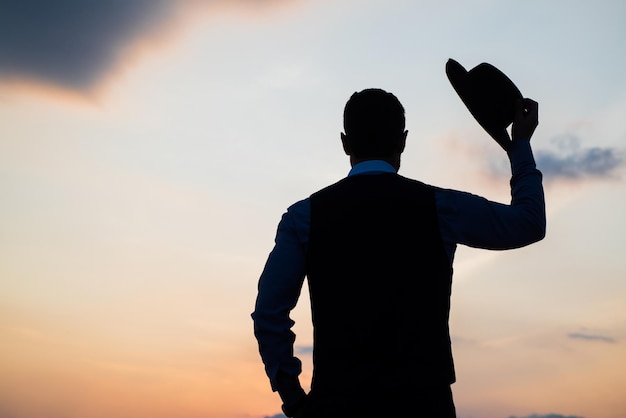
x,y
488,94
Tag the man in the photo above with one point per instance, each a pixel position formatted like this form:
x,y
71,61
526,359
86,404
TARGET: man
x,y
377,250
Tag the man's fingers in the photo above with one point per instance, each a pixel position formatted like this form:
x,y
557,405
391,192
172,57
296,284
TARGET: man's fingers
x,y
525,120
530,106
520,109
519,106
525,108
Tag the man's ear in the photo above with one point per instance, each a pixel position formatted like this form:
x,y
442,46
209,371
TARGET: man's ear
x,y
402,142
346,145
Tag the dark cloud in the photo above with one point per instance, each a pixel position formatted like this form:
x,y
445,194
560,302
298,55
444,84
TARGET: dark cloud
x,y
591,337
571,161
72,43
304,349
549,416
512,416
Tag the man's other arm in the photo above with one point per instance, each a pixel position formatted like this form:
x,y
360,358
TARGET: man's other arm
x,y
279,288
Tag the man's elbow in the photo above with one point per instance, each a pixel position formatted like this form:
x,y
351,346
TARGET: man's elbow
x,y
537,231
532,230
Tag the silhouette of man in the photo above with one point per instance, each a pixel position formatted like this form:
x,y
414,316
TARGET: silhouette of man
x,y
377,250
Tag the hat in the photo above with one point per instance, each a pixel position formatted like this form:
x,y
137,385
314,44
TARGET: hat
x,y
489,95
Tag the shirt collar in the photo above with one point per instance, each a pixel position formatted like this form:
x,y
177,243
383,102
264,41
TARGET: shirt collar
x,y
371,167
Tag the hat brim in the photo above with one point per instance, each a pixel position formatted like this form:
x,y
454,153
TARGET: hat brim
x,y
487,93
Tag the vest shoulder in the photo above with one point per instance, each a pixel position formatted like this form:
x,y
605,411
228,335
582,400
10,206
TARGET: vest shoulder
x,y
414,183
386,180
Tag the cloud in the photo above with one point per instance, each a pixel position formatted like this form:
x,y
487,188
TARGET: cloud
x,y
564,158
512,416
74,44
571,161
304,349
591,337
549,416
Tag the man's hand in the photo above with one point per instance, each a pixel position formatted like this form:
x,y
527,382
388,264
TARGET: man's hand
x,y
525,120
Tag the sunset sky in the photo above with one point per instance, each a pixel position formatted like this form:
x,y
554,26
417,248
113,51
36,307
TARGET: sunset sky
x,y
148,149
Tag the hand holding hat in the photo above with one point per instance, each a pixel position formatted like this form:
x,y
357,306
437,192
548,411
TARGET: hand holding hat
x,y
525,119
494,101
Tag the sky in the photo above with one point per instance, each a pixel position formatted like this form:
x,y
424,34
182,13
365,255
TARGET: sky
x,y
148,149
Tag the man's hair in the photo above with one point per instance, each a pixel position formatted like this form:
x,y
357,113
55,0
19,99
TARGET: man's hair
x,y
373,120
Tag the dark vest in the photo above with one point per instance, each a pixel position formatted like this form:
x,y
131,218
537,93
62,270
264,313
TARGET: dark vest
x,y
379,281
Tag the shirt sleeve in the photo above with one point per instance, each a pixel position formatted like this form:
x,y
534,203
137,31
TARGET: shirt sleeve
x,y
474,221
279,288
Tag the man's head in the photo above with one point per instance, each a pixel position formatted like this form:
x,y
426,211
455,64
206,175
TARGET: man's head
x,y
373,121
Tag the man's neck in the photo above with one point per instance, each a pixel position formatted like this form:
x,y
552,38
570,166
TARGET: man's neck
x,y
393,160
